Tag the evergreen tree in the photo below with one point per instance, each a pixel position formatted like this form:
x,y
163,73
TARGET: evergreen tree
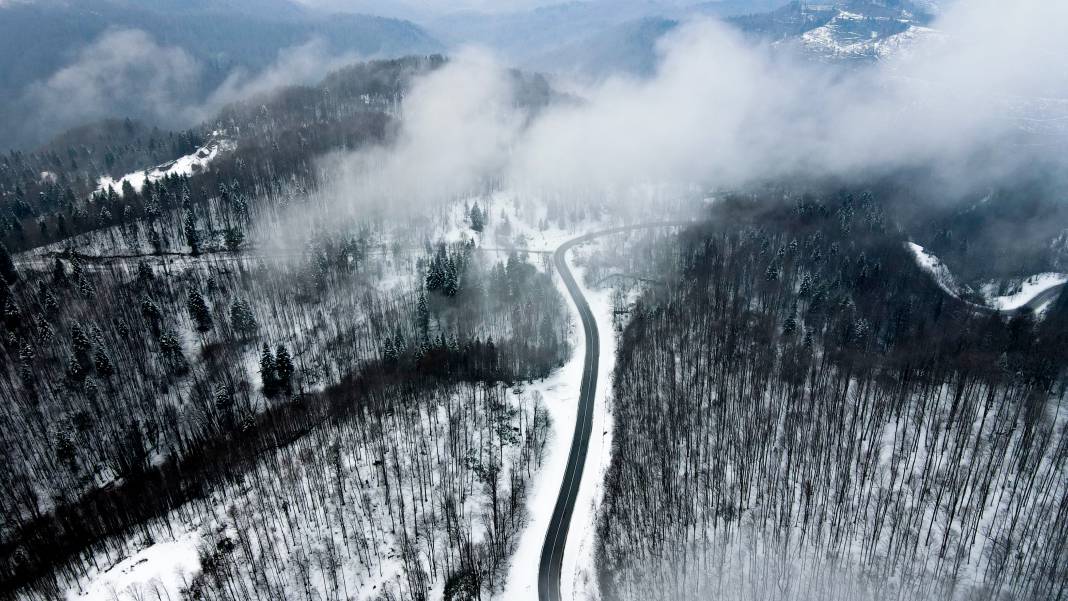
x,y
198,310
242,319
80,342
171,352
422,316
151,310
451,279
234,239
144,272
12,315
192,235
103,365
85,287
477,218
283,366
267,371
389,351
59,272
790,326
7,266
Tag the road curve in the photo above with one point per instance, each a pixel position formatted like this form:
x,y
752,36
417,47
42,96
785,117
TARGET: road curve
x,y
552,552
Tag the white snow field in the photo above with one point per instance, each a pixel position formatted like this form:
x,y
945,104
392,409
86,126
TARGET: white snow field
x,y
1020,293
935,268
161,570
1026,291
196,162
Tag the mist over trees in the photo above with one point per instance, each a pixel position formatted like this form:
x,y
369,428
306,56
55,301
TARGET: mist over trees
x,y
304,342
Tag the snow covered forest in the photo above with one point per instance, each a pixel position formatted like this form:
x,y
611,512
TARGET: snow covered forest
x,y
799,416
328,408
650,300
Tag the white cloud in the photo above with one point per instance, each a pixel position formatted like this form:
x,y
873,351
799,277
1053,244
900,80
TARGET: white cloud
x,y
122,71
722,112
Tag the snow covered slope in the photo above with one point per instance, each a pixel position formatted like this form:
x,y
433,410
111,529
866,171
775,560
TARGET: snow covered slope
x,y
935,268
851,35
997,295
1023,292
160,571
196,162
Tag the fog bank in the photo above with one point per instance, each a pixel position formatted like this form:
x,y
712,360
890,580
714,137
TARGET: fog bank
x,y
965,99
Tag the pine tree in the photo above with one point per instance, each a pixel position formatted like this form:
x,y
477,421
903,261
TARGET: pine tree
x,y
59,272
477,218
192,236
171,352
423,317
242,319
772,272
150,310
283,366
389,351
790,326
267,371
26,365
198,310
144,272
85,287
451,279
234,239
103,365
7,266
12,314
80,342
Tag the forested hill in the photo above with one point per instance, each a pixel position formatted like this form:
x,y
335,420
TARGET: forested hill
x,y
215,40
45,194
800,401
271,141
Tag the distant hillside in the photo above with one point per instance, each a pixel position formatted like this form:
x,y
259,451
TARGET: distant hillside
x,y
39,38
849,30
627,48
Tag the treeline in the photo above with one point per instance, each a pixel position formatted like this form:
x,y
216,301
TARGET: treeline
x,y
801,413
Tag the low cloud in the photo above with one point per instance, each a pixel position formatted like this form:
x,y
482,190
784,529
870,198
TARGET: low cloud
x,y
458,126
723,112
965,100
123,72
303,64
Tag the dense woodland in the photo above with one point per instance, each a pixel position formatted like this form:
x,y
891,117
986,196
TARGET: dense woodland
x,y
329,402
52,194
800,413
336,404
135,389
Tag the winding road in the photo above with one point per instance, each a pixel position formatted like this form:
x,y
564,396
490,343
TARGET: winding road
x,y
552,552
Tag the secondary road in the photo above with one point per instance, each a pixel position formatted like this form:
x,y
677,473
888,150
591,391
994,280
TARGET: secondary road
x,y
552,552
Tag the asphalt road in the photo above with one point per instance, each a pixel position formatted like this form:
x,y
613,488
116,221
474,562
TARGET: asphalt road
x,y
552,552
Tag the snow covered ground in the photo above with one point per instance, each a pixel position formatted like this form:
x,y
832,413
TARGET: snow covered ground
x,y
996,294
560,393
841,38
579,574
196,162
1024,292
161,570
935,268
